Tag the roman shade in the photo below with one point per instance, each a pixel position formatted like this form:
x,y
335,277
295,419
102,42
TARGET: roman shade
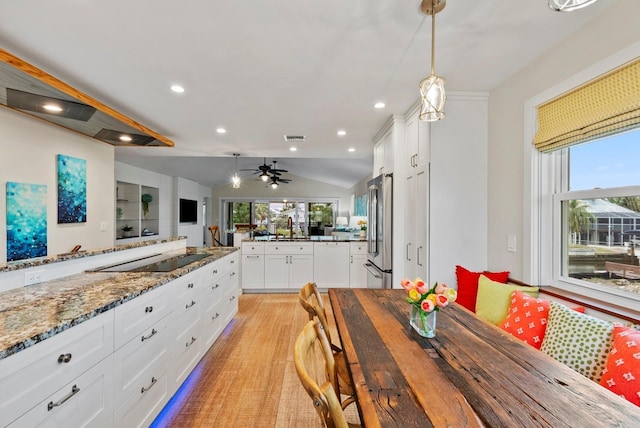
x,y
604,106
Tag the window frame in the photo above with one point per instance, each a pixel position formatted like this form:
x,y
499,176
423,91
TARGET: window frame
x,y
544,178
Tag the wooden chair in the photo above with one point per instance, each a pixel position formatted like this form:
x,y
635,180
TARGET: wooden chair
x,y
311,300
215,231
311,342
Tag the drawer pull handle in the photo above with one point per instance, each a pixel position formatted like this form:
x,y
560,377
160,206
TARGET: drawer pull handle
x,y
190,304
145,389
153,333
190,285
193,339
232,298
215,316
215,286
232,274
64,358
148,309
233,262
74,391
215,271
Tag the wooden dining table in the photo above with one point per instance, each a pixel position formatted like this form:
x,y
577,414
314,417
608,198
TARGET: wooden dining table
x,y
471,374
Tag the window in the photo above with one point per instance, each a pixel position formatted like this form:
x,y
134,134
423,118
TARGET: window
x,y
584,214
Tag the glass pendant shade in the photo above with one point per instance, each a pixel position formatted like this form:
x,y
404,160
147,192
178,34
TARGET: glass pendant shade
x,y
236,181
569,5
274,185
264,176
433,98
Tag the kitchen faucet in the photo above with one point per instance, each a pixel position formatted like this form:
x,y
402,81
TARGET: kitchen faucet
x,y
290,226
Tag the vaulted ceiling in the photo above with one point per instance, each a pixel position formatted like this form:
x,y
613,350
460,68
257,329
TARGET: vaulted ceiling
x,y
265,69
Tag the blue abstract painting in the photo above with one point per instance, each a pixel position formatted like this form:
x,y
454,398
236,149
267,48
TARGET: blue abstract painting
x,y
26,221
361,205
72,190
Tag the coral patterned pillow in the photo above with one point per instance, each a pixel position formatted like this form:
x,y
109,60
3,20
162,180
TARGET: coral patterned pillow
x,y
468,285
527,318
621,374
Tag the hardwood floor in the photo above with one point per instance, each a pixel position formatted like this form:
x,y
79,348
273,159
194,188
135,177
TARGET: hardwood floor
x,y
247,379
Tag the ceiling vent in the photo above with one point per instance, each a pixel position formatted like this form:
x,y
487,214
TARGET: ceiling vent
x,y
294,138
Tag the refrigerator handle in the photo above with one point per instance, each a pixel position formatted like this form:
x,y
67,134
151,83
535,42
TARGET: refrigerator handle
x,y
418,256
408,257
372,270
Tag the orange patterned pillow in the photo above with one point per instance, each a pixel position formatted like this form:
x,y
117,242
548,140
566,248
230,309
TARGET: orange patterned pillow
x,y
527,318
621,374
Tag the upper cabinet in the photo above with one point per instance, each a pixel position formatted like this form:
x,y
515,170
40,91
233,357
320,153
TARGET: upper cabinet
x,y
383,154
26,88
417,140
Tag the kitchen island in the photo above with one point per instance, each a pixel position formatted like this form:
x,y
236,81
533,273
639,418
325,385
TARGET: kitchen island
x,y
110,348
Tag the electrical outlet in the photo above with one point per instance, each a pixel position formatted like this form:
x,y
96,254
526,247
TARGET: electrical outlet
x,y
104,226
511,243
33,277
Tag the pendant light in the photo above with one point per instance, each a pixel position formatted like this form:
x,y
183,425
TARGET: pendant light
x,y
236,177
432,87
569,5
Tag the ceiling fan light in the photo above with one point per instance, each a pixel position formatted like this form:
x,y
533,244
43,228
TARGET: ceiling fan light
x,y
264,176
433,98
569,5
274,185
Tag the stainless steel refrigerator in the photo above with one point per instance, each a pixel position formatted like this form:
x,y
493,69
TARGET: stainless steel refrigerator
x,y
379,231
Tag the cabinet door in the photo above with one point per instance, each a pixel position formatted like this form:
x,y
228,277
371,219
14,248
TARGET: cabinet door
x,y
378,158
253,271
411,136
331,264
421,221
423,143
276,271
410,215
301,270
86,401
357,271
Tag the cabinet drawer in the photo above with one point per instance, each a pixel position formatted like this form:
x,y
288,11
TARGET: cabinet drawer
x,y
141,408
289,248
140,360
253,248
32,375
358,248
186,352
185,289
140,314
86,401
211,272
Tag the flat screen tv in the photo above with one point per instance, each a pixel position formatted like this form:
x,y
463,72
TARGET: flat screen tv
x,y
188,211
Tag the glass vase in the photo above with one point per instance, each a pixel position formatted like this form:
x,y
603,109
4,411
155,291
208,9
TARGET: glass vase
x,y
422,322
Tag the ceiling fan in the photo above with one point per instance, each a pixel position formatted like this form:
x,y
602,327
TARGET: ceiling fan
x,y
275,181
267,171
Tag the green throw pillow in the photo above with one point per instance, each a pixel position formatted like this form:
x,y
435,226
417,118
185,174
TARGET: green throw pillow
x,y
580,341
494,298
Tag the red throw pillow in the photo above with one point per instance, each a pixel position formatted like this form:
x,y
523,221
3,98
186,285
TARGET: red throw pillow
x,y
527,318
621,373
468,285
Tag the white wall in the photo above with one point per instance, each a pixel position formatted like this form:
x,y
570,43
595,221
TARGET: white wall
x,y
29,147
611,31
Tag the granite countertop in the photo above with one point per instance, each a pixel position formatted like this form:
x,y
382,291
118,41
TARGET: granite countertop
x,y
29,315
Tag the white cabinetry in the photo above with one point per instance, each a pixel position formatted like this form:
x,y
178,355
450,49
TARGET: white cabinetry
x,y
288,264
416,209
58,371
331,264
253,265
357,259
141,358
383,154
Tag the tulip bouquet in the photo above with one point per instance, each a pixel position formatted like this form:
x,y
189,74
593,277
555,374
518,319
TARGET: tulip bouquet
x,y
426,301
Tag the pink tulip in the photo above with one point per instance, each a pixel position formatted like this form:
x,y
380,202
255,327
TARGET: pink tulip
x,y
421,286
427,305
407,284
440,288
441,300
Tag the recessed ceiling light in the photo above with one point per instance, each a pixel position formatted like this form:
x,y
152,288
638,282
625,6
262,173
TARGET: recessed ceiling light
x,y
351,149
221,130
177,89
52,107
379,104
342,132
125,138
293,148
